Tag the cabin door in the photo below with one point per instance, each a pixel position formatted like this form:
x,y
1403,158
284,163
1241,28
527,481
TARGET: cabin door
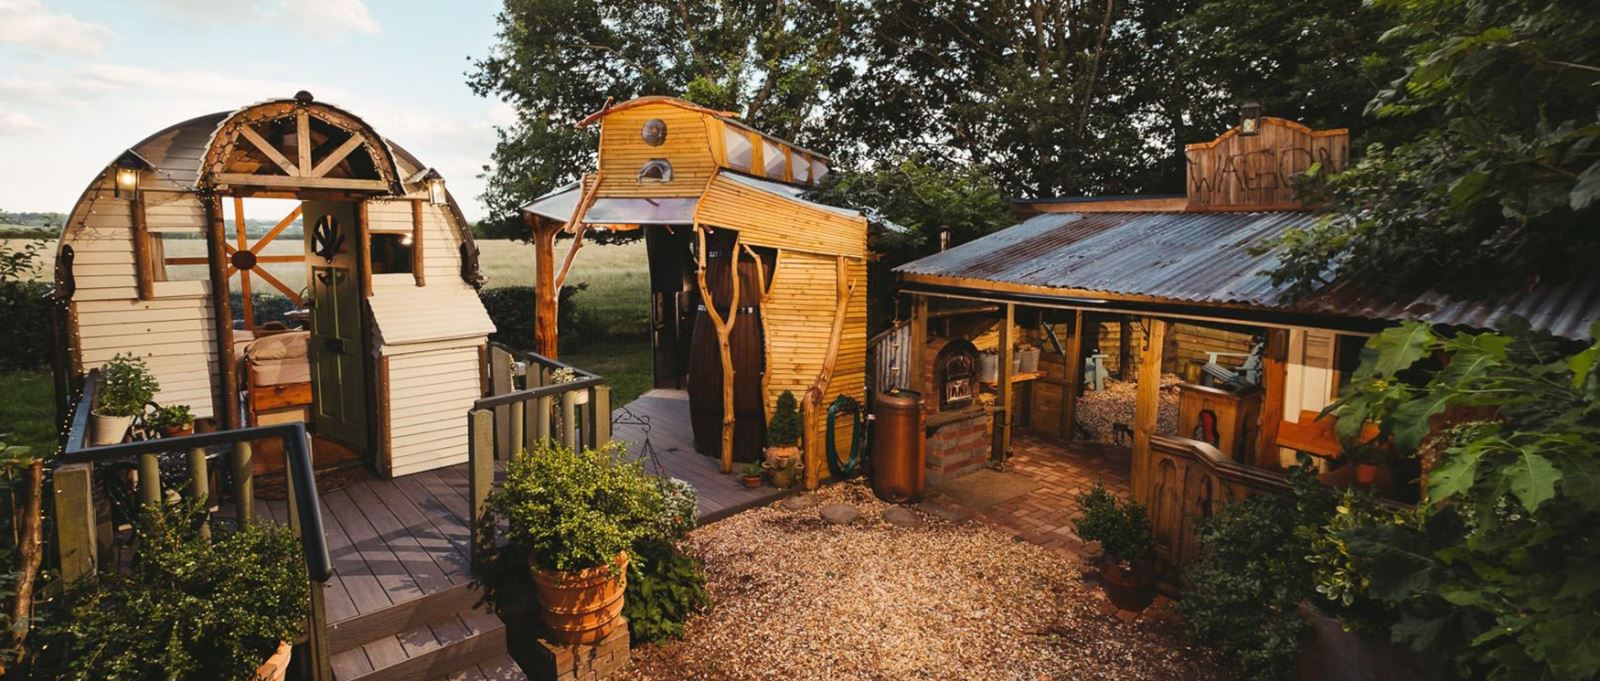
x,y
338,370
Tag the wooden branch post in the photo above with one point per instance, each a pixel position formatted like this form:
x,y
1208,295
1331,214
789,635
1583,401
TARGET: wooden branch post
x,y
1002,422
144,271
30,555
544,277
844,288
221,312
1147,406
724,329
75,521
1274,382
1072,378
480,472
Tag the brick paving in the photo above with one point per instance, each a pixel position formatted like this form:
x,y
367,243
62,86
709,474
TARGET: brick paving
x,y
1044,516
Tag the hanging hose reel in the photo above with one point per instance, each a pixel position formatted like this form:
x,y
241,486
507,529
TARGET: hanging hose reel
x,y
849,468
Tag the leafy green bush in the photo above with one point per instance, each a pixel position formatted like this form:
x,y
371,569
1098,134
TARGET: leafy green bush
x,y
25,336
173,416
511,308
665,584
126,385
189,607
1121,527
1242,596
573,510
264,307
783,430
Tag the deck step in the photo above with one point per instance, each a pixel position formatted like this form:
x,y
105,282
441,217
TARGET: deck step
x,y
432,637
501,668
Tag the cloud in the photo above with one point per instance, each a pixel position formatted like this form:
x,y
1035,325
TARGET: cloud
x,y
326,18
30,24
13,123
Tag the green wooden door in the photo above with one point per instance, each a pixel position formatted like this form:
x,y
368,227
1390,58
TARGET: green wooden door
x,y
338,377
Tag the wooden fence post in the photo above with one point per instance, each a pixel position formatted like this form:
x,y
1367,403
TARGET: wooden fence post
x,y
243,481
149,480
75,521
600,408
480,472
200,485
541,415
1072,378
569,419
1146,409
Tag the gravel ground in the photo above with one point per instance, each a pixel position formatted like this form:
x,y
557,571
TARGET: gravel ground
x,y
797,598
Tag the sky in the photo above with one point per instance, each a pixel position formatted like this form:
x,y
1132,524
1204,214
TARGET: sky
x,y
81,81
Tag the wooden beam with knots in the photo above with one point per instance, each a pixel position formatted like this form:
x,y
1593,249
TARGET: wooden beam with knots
x,y
724,329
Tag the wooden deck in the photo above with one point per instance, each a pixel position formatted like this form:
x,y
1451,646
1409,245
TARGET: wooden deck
x,y
400,606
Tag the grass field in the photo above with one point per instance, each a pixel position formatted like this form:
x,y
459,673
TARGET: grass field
x,y
28,411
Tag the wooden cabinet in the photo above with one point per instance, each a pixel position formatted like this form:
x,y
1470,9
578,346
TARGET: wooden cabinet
x,y
1222,419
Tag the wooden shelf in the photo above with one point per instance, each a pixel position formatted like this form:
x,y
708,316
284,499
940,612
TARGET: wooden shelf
x,y
1020,377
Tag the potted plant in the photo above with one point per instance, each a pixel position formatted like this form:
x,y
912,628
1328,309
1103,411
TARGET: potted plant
x,y
575,514
783,430
1123,530
1364,457
190,607
173,421
125,387
752,475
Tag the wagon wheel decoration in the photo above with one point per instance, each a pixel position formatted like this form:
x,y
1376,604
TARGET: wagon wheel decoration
x,y
326,239
245,258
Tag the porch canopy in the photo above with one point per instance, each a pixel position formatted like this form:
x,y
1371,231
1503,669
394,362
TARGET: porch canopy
x,y
1213,265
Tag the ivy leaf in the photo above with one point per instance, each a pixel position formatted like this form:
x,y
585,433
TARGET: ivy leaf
x,y
1400,347
1533,479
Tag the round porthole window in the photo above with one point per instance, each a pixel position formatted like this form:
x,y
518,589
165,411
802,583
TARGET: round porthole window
x,y
655,132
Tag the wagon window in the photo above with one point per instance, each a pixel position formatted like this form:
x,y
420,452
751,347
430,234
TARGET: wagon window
x,y
178,256
392,253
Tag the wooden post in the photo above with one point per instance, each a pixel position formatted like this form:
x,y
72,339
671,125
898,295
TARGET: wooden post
x,y
246,305
1002,422
75,521
569,419
243,481
1146,409
518,432
544,277
600,403
919,344
541,416
1124,348
480,469
724,329
142,265
200,485
149,480
417,261
221,313
1072,378
1274,382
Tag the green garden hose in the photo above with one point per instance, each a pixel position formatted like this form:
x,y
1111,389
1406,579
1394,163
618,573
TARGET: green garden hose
x,y
844,470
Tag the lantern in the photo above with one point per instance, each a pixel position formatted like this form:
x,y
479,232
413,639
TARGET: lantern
x,y
436,195
125,175
1250,118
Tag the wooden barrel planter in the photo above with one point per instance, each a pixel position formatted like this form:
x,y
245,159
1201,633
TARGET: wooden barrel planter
x,y
581,606
746,343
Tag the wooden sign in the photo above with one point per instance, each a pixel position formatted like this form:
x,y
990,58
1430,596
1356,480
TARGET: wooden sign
x,y
1253,172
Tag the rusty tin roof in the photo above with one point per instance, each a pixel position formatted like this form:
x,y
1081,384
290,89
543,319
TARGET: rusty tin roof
x,y
1206,259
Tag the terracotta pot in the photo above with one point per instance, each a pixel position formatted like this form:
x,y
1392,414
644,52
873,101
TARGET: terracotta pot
x,y
776,455
1366,473
752,481
276,668
781,478
177,431
107,430
1132,588
581,606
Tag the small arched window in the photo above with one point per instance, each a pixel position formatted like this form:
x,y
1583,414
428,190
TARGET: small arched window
x,y
656,170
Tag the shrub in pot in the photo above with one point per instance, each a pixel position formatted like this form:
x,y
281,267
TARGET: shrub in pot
x,y
1123,530
190,608
783,429
126,385
173,421
576,514
751,473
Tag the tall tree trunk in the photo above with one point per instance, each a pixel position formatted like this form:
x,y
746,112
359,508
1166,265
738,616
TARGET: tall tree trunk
x,y
30,551
1094,67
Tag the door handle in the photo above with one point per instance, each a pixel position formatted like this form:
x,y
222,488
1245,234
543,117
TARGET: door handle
x,y
333,345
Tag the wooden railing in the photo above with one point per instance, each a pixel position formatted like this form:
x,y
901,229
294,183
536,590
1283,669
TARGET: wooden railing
x,y
526,406
1190,480
77,520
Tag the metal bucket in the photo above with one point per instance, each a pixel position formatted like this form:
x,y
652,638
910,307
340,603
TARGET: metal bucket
x,y
899,457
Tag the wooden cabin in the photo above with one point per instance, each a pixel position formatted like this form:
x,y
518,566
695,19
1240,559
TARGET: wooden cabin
x,y
381,357
754,289
1158,333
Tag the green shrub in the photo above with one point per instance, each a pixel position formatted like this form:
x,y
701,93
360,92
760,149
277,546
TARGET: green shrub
x,y
1121,527
174,416
189,607
264,307
783,430
665,584
511,308
25,340
573,510
126,385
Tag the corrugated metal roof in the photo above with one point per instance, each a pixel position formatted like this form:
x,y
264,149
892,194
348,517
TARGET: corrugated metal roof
x,y
1205,258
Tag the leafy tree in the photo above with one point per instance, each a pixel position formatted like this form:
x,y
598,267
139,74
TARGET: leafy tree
x,y
1503,172
1500,565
